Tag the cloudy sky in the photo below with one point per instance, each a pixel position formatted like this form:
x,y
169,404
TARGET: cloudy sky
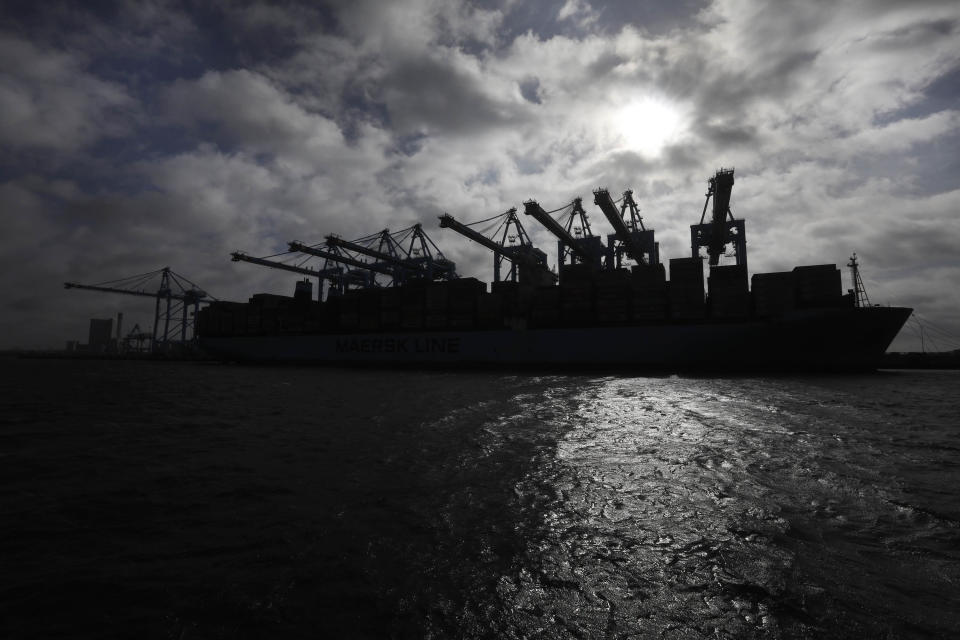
x,y
137,135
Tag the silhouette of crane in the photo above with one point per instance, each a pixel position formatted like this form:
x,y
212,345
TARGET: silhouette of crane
x,y
175,290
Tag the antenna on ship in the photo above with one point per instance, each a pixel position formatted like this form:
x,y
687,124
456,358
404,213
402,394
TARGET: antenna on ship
x,y
859,291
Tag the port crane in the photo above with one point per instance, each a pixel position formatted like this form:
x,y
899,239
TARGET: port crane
x,y
137,336
172,290
416,262
337,255
531,261
335,275
629,238
421,250
576,243
385,253
722,229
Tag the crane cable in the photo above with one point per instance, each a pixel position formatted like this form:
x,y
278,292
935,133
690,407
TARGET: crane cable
x,y
146,276
924,328
499,215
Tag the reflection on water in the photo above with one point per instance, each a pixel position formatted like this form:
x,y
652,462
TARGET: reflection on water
x,y
689,508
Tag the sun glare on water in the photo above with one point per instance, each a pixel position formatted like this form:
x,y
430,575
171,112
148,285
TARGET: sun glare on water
x,y
648,125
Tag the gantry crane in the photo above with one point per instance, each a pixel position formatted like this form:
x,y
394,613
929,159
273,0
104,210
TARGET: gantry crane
x,y
531,261
336,255
630,238
385,253
417,261
335,275
171,288
137,336
583,247
722,228
420,250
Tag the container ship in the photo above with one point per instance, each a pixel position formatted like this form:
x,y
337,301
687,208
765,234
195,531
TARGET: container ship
x,y
395,299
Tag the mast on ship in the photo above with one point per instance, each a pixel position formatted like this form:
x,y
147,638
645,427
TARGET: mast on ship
x,y
859,291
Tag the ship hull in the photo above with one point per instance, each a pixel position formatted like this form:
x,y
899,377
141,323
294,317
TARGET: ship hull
x,y
816,339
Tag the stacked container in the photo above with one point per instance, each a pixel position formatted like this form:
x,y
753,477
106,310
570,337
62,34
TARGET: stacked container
x,y
729,292
686,289
463,296
515,297
613,293
576,294
648,284
773,294
412,306
578,272
349,316
818,285
545,311
390,301
368,308
435,306
490,311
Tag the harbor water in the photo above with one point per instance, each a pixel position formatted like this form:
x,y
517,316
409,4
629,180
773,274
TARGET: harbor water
x,y
199,500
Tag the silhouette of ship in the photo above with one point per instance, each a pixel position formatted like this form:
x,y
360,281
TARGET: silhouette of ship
x,y
610,304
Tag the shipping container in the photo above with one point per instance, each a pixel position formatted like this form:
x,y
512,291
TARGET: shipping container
x,y
615,278
577,295
392,297
686,300
349,320
435,321
686,270
437,298
411,316
578,317
270,301
818,285
462,321
577,273
490,310
772,294
730,276
644,274
516,297
390,318
545,308
368,321
368,301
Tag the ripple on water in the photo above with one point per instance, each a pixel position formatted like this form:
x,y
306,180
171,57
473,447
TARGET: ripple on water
x,y
686,507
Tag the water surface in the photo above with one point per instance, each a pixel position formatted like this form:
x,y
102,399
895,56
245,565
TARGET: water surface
x,y
206,501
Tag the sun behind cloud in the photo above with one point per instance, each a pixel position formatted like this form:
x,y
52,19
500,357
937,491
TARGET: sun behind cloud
x,y
648,124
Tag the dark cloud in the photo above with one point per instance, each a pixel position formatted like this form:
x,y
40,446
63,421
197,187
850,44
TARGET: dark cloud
x,y
530,90
49,102
429,94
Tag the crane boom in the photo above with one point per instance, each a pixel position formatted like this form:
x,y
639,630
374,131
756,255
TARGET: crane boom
x,y
334,241
510,253
353,262
329,274
190,296
449,222
723,228
721,185
533,208
602,198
